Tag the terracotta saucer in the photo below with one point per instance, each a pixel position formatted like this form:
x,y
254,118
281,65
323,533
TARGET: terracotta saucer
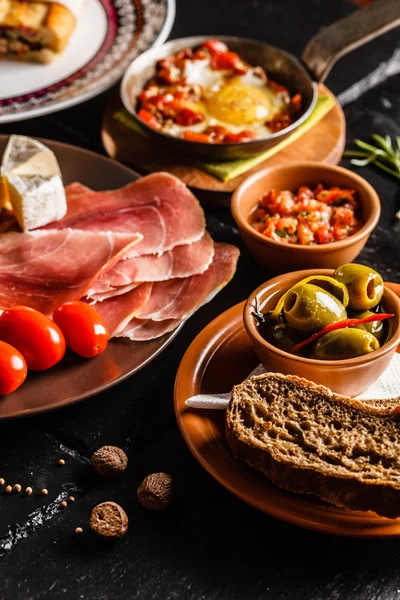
x,y
220,357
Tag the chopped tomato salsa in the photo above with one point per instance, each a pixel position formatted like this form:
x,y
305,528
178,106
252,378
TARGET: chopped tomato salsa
x,y
310,216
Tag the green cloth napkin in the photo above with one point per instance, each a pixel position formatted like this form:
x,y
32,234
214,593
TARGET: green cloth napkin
x,y
228,170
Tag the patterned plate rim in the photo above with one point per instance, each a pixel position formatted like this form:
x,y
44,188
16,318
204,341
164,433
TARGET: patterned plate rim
x,y
97,76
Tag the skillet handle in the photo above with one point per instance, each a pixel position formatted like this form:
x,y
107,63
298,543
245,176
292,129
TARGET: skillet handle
x,y
354,30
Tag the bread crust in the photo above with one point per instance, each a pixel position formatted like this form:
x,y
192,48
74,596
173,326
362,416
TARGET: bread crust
x,y
62,22
346,492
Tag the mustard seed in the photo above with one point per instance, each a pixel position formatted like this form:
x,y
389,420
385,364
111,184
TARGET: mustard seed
x,y
28,491
63,504
71,499
2,481
44,492
79,530
9,489
61,461
17,488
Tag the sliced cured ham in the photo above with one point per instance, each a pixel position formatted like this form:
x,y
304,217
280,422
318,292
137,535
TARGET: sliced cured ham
x,y
181,261
117,312
180,298
46,268
174,301
140,330
158,206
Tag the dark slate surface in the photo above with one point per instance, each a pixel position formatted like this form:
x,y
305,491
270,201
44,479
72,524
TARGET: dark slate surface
x,y
209,545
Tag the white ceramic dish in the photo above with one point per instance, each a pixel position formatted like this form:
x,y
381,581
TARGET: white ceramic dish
x,y
109,34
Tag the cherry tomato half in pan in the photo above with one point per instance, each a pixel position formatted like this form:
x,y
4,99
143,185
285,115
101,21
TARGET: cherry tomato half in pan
x,y
84,329
37,337
13,370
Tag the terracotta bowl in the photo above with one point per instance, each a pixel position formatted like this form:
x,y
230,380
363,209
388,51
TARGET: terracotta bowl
x,y
349,377
280,258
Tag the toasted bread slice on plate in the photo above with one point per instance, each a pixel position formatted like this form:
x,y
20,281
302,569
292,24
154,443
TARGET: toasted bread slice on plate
x,y
308,440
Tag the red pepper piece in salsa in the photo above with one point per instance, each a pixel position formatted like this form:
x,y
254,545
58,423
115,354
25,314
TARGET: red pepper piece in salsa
x,y
193,136
148,118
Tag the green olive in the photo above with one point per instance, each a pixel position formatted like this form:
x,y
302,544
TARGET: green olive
x,y
308,308
377,328
365,286
283,336
344,343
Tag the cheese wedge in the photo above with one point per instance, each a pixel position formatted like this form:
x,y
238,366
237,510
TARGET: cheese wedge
x,y
32,183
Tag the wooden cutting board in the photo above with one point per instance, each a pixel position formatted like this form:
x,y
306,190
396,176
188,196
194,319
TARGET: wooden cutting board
x,y
324,142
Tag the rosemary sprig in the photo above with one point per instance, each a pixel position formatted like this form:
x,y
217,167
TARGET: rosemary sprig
x,y
383,155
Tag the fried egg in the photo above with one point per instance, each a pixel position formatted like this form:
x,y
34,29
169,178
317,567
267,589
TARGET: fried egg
x,y
239,102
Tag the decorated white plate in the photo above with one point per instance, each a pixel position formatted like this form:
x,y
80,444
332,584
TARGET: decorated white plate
x,y
109,34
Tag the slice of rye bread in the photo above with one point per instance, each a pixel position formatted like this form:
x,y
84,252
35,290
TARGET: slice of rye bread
x,y
308,440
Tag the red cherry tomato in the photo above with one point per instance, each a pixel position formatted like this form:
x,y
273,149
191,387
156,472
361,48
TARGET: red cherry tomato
x,y
187,117
39,340
13,370
215,46
84,329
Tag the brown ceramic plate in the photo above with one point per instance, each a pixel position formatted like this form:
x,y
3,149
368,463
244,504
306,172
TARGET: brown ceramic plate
x,y
220,357
75,378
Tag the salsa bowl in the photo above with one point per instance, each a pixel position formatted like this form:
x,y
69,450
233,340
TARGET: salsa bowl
x,y
278,257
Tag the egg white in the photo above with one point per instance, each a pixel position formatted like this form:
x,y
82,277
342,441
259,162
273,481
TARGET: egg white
x,y
200,72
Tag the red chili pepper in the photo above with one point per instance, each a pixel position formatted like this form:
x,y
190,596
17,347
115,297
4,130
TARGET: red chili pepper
x,y
148,118
341,325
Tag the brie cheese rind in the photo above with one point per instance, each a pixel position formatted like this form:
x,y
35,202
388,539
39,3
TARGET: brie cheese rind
x,y
32,183
34,31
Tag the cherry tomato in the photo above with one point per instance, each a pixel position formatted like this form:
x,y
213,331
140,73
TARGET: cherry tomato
x,y
187,117
242,136
228,60
84,329
13,370
39,340
215,46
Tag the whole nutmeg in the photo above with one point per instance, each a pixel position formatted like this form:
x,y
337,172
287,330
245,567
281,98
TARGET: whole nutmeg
x,y
155,491
109,461
108,520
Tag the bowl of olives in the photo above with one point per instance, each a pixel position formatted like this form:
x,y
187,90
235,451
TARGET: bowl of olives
x,y
336,328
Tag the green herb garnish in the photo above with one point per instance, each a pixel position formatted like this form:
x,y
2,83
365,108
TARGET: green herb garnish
x,y
383,155
304,213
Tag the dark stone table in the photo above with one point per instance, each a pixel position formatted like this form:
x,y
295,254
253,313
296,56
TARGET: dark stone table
x,y
209,545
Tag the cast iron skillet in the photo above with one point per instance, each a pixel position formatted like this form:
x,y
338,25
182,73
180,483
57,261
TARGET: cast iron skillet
x,y
320,54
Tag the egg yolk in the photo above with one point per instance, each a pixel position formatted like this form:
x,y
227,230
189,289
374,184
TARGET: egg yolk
x,y
239,104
